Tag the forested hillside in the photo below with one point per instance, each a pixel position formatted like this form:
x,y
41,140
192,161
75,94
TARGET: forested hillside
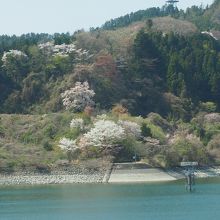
x,y
155,60
127,66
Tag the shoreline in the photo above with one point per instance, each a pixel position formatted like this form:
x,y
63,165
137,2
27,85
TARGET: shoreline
x,y
108,176
44,179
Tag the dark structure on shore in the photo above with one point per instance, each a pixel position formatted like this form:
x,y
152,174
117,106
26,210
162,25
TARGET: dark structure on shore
x,y
172,2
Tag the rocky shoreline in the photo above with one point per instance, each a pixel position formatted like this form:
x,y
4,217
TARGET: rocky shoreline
x,y
54,177
57,175
49,179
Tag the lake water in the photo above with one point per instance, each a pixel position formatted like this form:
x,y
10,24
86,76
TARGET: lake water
x,y
164,201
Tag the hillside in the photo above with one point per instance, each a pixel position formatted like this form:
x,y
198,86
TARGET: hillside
x,y
154,60
213,12
31,142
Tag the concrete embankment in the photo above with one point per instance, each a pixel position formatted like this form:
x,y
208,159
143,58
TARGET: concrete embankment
x,y
140,172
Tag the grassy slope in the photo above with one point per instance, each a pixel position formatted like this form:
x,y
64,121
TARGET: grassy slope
x,y
25,140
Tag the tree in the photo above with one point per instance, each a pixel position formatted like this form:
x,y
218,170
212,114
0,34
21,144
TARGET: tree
x,y
104,134
149,24
70,147
15,63
78,97
131,128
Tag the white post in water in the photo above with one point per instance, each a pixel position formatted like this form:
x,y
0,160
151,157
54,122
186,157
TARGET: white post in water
x,y
190,177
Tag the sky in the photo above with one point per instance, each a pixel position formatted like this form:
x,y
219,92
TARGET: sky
x,y
51,16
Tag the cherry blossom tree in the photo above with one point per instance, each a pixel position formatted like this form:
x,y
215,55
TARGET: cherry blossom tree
x,y
105,133
131,128
77,123
17,54
78,97
15,63
64,50
70,147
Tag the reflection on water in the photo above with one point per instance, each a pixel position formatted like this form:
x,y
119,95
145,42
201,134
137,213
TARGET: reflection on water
x,y
130,201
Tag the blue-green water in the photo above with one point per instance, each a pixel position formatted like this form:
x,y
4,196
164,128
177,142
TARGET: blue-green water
x,y
165,201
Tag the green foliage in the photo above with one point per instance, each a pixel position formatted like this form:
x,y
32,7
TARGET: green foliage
x,y
92,152
186,150
190,68
211,131
29,137
214,142
86,118
128,150
47,145
140,15
11,166
50,131
145,130
208,107
204,18
58,65
143,70
157,132
149,24
2,130
73,133
129,67
64,38
157,120
33,87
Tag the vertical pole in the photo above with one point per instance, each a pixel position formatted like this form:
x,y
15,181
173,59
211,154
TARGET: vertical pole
x,y
189,177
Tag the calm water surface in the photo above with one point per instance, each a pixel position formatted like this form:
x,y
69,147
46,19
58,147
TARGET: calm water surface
x,y
164,201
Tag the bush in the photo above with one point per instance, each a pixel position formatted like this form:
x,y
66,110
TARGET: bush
x,y
50,131
214,148
145,130
127,151
214,142
157,120
186,150
118,110
211,131
93,152
72,133
47,145
208,107
28,137
86,118
2,131
73,155
157,132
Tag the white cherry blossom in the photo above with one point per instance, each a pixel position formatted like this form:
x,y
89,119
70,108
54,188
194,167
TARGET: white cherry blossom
x,y
131,128
77,123
67,144
12,53
78,97
105,133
